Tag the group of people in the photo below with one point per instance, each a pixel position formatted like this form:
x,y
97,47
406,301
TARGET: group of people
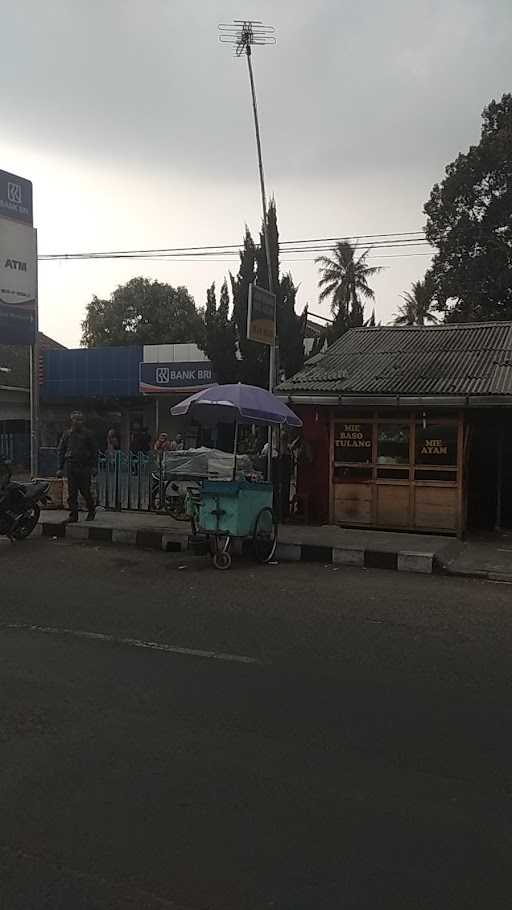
x,y
140,441
164,444
77,455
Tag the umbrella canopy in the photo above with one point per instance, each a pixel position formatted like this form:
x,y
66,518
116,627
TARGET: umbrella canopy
x,y
242,403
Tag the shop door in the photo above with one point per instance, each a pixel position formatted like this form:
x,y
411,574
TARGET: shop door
x,y
482,474
506,495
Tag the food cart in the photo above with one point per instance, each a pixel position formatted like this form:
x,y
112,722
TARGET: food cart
x,y
241,508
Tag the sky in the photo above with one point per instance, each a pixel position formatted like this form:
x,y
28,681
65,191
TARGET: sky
x,y
134,124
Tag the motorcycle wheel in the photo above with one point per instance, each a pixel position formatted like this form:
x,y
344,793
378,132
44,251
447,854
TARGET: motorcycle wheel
x,y
27,523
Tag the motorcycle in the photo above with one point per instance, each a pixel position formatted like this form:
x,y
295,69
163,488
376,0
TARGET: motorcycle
x,y
173,494
19,504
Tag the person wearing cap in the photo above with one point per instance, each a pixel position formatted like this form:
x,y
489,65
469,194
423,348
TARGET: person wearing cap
x,y
163,444
77,454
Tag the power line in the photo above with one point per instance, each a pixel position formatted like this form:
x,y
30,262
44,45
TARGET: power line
x,y
316,245
205,261
212,257
370,258
319,316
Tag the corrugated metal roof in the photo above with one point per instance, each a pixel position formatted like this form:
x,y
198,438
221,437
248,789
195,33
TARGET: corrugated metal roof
x,y
470,359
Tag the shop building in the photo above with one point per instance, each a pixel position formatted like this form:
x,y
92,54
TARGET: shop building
x,y
15,398
409,428
121,387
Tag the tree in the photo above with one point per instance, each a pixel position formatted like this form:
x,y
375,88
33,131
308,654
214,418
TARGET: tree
x,y
252,364
417,306
291,326
344,279
219,337
470,222
143,312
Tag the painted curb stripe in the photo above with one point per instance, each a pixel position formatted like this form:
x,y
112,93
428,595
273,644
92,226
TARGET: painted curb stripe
x,y
156,540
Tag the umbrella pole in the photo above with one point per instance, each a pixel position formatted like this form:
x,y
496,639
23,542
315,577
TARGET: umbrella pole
x,y
235,447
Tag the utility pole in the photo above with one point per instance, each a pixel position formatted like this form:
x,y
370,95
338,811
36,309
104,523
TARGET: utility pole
x,y
243,33
34,389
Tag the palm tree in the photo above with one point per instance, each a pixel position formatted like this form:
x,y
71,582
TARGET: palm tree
x,y
417,306
344,278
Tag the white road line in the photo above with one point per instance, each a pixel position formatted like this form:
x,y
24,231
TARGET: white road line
x,y
133,643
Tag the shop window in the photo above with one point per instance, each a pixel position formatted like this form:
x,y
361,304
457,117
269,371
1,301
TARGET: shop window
x,y
393,473
393,446
436,445
353,443
439,476
349,474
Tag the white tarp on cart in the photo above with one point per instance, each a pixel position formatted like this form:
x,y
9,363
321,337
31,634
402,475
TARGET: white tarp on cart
x,y
204,463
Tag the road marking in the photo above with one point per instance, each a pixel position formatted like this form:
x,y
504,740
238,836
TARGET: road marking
x,y
133,643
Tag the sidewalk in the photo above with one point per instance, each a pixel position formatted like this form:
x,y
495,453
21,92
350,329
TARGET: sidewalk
x,y
483,556
488,557
327,544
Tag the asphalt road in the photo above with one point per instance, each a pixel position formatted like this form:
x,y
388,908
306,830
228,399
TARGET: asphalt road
x,y
343,742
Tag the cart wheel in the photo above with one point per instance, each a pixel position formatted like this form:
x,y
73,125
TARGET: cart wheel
x,y
265,535
221,559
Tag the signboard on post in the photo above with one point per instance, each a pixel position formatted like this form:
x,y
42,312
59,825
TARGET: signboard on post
x,y
261,315
18,282
166,378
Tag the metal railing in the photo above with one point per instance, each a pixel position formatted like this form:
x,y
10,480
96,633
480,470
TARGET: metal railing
x,y
7,446
125,480
15,448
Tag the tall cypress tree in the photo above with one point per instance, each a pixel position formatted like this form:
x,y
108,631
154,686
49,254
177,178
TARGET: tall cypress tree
x,y
224,334
220,344
253,365
291,326
273,242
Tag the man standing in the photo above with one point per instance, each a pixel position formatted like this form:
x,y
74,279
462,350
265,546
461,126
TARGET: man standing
x,y
140,440
77,452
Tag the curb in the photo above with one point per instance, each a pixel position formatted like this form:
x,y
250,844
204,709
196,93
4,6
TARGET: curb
x,y
176,542
146,540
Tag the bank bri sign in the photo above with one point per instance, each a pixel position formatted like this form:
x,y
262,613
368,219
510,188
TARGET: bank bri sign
x,y
166,378
15,197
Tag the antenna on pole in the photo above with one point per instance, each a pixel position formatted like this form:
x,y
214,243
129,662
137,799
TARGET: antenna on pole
x,y
243,33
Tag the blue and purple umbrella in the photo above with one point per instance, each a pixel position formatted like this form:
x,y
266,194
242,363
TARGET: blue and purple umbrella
x,y
237,403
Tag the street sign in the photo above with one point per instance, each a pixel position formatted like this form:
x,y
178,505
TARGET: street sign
x,y
166,378
261,315
15,197
18,282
